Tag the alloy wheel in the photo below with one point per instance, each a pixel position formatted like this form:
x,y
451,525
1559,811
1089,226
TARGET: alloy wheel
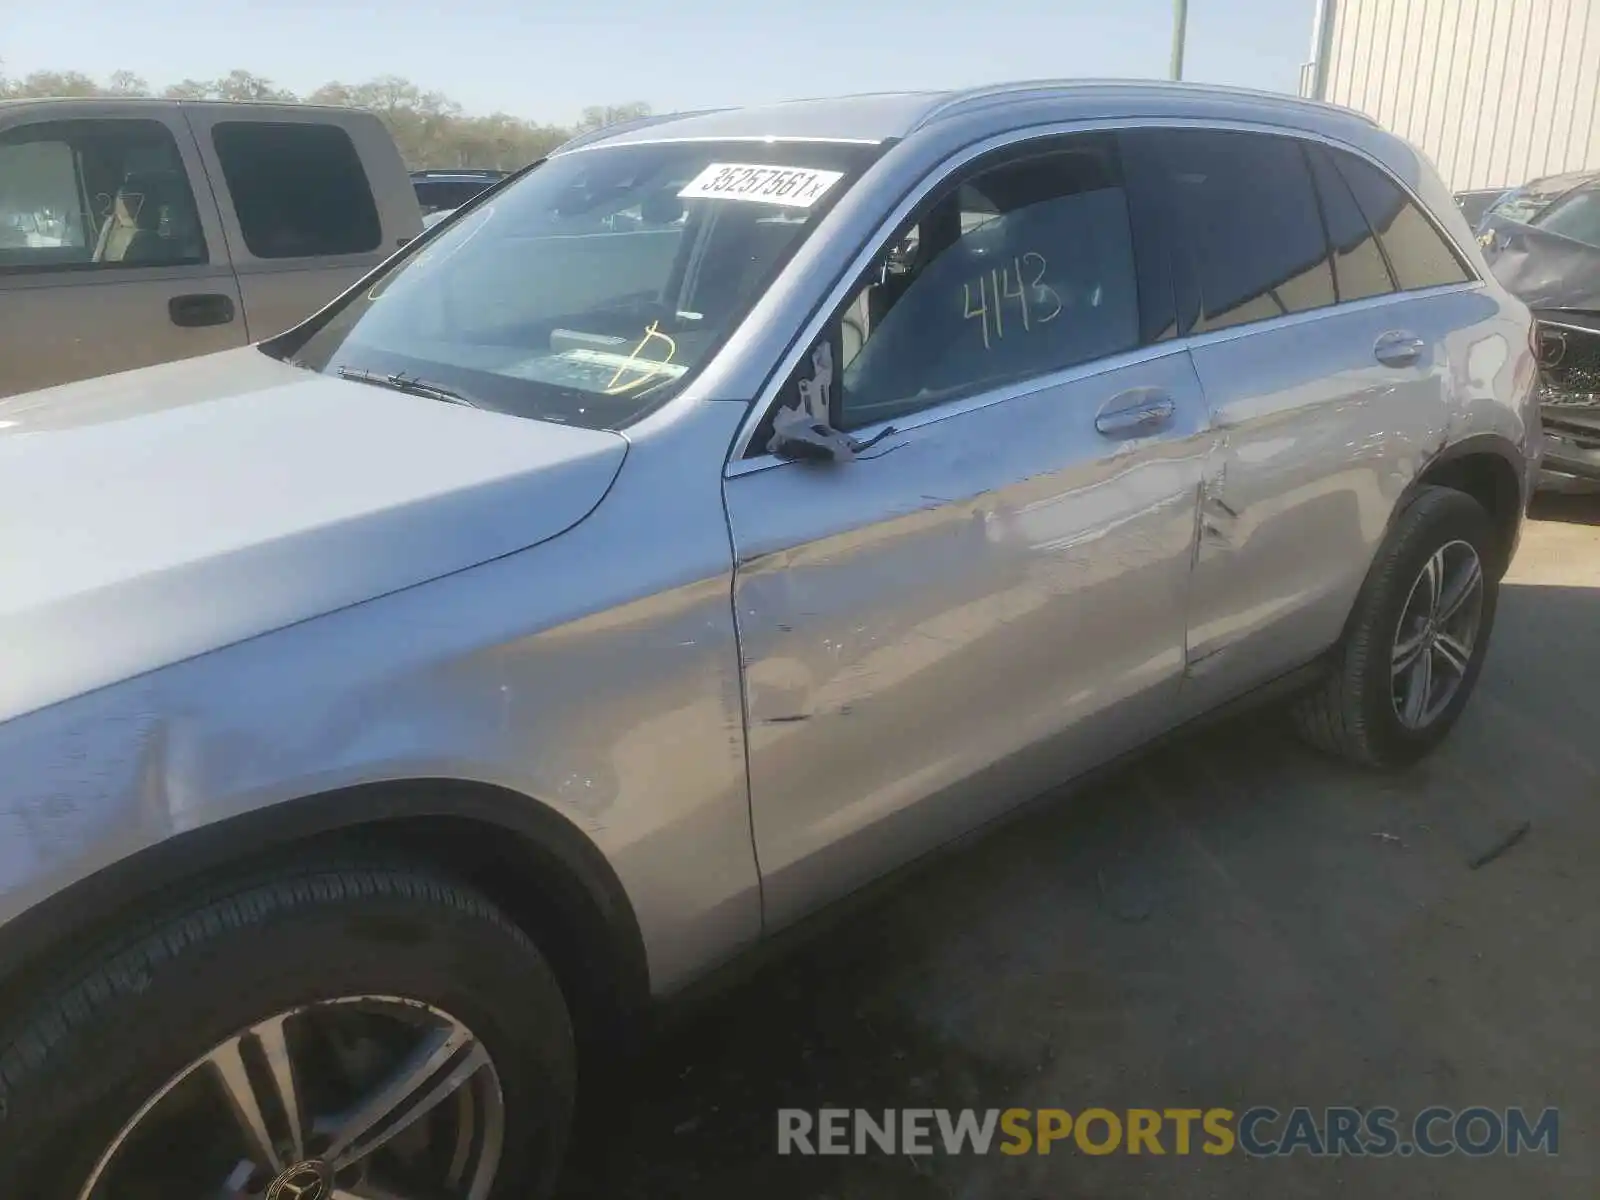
x,y
1437,634
357,1098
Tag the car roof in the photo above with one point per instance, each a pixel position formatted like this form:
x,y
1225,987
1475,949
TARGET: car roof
x,y
292,106
883,116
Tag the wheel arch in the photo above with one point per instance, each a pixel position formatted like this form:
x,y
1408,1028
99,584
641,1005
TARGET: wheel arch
x,y
1488,468
541,869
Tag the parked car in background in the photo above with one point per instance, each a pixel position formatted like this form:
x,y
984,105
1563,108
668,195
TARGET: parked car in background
x,y
1543,243
1474,204
1522,204
393,712
447,190
133,232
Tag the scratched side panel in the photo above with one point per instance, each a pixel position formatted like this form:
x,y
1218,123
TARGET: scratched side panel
x,y
1317,441
936,634
596,674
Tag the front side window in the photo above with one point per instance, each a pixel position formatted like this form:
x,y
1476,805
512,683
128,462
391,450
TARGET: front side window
x,y
1024,269
1576,216
298,189
1250,223
590,290
111,194
1417,252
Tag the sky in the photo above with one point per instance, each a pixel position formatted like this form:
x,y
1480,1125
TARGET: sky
x,y
546,59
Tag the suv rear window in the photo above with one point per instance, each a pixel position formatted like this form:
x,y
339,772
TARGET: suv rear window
x,y
1359,269
1417,252
437,195
1251,224
298,188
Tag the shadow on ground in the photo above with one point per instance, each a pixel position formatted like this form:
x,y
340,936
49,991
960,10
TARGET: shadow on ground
x,y
1574,508
1230,921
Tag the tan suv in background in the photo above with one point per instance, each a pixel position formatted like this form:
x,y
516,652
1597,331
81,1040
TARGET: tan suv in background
x,y
134,232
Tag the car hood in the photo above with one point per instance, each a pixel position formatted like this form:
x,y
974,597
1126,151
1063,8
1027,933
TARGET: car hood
x,y
1543,270
156,514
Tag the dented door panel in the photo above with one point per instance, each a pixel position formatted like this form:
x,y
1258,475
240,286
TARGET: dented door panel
x,y
1316,441
936,632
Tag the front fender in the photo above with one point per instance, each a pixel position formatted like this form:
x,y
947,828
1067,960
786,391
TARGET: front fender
x,y
596,674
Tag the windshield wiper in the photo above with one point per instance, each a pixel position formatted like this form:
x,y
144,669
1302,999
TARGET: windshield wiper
x,y
409,384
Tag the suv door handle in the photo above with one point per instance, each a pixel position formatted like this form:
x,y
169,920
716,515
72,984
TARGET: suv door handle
x,y
1145,413
1399,348
202,308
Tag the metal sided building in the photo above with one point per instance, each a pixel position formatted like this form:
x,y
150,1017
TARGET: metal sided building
x,y
1495,92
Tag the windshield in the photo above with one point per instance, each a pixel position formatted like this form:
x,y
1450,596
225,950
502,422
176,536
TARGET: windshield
x,y
590,290
1525,203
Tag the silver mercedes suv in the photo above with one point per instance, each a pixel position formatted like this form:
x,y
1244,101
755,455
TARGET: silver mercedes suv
x,y
728,510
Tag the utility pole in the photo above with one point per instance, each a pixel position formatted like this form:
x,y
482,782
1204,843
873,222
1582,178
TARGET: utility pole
x,y
1180,25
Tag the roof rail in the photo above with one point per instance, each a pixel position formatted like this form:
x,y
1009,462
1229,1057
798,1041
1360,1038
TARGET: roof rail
x,y
605,131
981,96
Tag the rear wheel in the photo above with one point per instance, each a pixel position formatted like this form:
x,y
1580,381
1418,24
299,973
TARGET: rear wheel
x,y
345,1033
1416,640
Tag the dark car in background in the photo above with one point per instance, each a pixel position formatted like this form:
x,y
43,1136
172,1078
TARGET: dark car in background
x,y
443,190
1543,242
1475,204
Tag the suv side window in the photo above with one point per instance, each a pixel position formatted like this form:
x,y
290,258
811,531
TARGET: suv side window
x,y
1250,224
1359,267
1418,254
437,195
110,194
298,188
1025,268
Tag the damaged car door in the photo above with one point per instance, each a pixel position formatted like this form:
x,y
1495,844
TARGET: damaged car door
x,y
1317,299
984,591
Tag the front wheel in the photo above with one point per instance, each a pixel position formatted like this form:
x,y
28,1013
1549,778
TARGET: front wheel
x,y
1416,641
344,1033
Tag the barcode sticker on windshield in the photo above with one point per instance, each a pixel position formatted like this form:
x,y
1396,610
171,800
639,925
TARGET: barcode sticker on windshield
x,y
792,187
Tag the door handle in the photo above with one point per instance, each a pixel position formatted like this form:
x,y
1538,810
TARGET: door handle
x,y
203,308
1146,416
1399,349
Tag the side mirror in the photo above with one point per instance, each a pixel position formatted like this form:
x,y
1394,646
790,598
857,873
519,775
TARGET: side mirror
x,y
800,439
813,445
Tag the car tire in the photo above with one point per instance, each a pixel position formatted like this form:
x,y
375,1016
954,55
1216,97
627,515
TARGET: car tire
x,y
1364,710
366,969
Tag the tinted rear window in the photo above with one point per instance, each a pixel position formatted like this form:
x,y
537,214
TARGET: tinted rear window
x,y
437,194
298,188
1359,269
1250,219
1418,253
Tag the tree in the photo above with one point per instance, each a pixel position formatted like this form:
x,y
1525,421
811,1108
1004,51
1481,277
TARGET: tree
x,y
430,129
126,83
188,89
55,83
242,85
598,116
